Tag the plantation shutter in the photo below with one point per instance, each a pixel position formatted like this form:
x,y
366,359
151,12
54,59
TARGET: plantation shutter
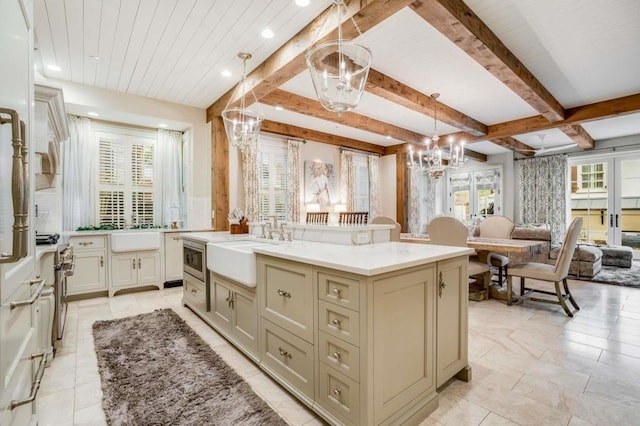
x,y
273,180
111,180
142,183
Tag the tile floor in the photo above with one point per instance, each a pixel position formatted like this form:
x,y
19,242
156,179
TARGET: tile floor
x,y
532,365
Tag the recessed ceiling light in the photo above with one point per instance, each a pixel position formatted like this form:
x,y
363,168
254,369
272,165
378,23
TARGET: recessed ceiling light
x,y
279,107
226,73
92,114
54,67
388,137
94,57
163,125
267,33
302,3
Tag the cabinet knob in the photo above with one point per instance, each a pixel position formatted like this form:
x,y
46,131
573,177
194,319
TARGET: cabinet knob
x,y
284,293
337,322
336,291
441,285
336,355
133,262
101,261
284,353
337,392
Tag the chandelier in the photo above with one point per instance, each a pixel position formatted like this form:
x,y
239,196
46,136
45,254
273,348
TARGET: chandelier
x,y
242,125
430,160
339,70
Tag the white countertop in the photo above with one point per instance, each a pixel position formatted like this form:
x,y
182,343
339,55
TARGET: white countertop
x,y
219,236
369,259
107,232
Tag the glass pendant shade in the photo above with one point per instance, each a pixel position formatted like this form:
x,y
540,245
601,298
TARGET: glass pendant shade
x,y
242,126
339,71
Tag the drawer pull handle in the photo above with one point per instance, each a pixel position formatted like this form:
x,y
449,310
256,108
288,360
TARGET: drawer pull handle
x,y
85,243
101,261
36,384
284,293
133,263
34,296
441,285
337,322
336,291
139,263
193,290
176,238
336,355
337,392
284,353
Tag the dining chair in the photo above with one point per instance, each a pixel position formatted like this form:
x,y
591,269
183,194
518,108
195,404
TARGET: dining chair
x,y
450,231
317,218
551,273
497,227
386,220
353,218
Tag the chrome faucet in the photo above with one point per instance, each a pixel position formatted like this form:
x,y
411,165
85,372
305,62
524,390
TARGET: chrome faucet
x,y
281,232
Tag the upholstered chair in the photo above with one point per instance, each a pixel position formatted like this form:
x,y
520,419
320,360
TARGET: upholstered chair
x,y
497,227
552,273
386,220
450,231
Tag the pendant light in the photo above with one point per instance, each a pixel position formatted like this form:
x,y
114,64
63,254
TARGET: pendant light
x,y
339,70
241,124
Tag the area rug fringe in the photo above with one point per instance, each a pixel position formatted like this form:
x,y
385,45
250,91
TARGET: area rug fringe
x,y
155,370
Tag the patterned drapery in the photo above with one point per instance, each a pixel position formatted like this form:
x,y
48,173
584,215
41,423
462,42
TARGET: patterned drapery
x,y
251,180
347,179
374,185
543,186
294,168
415,177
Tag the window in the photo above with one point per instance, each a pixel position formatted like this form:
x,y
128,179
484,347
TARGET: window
x,y
125,180
361,183
475,193
592,176
272,160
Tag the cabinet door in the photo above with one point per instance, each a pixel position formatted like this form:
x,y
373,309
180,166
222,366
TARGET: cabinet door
x,y
245,318
172,256
89,273
148,268
221,296
452,329
124,269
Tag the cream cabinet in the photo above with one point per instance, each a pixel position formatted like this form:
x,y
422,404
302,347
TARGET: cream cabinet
x,y
90,274
234,313
172,256
452,332
129,270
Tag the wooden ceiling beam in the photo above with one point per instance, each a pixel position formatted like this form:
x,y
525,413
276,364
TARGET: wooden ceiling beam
x,y
289,60
515,145
317,136
455,20
312,107
403,148
579,135
401,94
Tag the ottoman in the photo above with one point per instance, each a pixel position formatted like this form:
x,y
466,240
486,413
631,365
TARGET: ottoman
x,y
620,256
586,261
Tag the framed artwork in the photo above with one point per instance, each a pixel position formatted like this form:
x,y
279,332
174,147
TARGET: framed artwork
x,y
319,183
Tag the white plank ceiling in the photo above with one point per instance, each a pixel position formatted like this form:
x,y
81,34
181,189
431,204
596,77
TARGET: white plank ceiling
x,y
582,51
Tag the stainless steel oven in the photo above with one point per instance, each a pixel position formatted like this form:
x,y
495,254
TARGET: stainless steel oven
x,y
194,262
64,267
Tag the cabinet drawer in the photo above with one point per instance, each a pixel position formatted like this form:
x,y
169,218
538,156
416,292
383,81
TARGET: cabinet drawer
x,y
16,331
340,290
339,394
287,296
19,387
340,355
88,242
195,293
288,356
339,322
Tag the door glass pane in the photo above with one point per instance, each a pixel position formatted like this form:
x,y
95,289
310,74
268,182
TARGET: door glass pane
x,y
589,200
630,204
461,195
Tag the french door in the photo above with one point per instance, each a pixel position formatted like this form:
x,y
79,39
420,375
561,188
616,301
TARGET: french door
x,y
605,192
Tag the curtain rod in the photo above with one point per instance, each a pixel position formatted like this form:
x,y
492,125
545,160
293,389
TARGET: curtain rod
x,y
116,123
359,151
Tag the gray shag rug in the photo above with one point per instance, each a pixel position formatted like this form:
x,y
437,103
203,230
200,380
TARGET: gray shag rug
x,y
156,370
628,277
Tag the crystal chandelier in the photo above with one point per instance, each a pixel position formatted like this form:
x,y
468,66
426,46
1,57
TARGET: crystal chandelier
x,y
339,70
430,160
242,125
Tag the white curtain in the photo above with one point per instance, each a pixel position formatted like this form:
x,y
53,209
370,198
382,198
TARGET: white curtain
x,y
294,168
543,196
79,175
374,185
168,178
250,176
415,177
347,179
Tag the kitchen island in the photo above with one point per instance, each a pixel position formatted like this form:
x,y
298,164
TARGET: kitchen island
x,y
361,334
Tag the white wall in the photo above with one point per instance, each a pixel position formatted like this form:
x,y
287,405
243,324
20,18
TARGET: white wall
x,y
142,111
388,181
